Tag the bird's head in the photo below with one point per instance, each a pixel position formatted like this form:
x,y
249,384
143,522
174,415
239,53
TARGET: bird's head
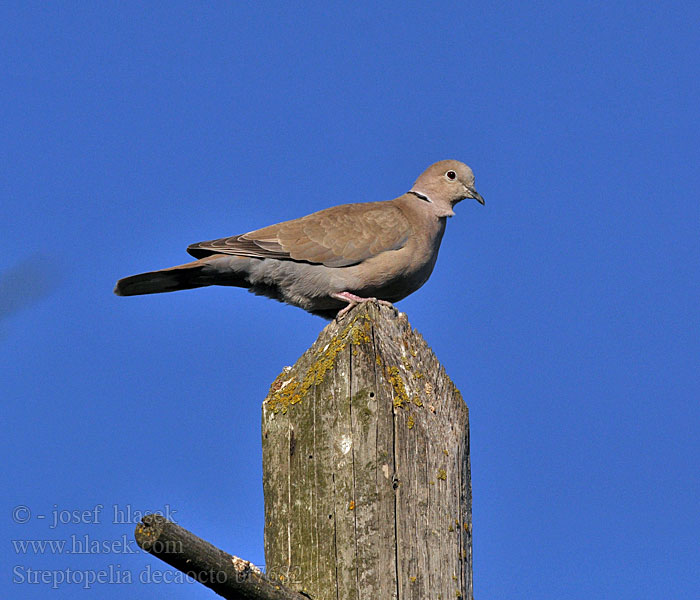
x,y
444,184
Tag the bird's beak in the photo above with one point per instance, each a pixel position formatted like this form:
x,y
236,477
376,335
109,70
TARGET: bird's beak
x,y
472,193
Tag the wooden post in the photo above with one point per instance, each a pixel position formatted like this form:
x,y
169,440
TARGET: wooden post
x,y
366,469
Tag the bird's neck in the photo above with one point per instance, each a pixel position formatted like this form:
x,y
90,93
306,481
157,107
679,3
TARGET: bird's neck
x,y
439,210
421,196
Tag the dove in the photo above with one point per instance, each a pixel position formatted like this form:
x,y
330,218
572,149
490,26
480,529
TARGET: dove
x,y
331,260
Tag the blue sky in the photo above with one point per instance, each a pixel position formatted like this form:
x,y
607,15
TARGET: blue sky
x,y
566,309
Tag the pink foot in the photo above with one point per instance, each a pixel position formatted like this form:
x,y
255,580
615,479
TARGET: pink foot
x,y
353,301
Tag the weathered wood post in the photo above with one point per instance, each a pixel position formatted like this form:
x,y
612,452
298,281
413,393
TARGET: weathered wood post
x,y
366,469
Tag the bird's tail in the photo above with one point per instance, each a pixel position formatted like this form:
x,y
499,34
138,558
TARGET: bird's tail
x,y
182,277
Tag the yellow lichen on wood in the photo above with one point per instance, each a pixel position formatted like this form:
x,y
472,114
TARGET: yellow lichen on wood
x,y
455,390
442,475
411,422
400,395
284,394
360,334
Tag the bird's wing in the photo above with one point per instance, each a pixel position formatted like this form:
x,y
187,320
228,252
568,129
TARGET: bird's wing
x,y
335,237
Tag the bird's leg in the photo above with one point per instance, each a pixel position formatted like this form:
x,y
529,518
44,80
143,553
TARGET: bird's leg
x,y
353,301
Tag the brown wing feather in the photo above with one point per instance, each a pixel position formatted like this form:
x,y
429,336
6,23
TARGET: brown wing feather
x,y
336,237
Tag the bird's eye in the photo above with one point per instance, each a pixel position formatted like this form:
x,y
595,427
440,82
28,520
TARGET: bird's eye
x,y
451,175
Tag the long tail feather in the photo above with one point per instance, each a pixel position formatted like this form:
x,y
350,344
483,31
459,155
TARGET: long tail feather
x,y
182,277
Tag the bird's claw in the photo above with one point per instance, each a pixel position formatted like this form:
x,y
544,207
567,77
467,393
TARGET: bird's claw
x,y
354,300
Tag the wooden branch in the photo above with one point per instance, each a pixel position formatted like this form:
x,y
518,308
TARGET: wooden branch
x,y
229,576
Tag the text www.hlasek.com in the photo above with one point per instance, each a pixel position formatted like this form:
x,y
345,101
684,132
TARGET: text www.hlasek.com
x,y
78,544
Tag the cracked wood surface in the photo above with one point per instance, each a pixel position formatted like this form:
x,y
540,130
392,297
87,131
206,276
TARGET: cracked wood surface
x,y
366,467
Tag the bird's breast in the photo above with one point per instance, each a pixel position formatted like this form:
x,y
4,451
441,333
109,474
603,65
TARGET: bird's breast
x,y
395,274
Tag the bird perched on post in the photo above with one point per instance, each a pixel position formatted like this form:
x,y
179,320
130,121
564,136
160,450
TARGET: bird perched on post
x,y
331,260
